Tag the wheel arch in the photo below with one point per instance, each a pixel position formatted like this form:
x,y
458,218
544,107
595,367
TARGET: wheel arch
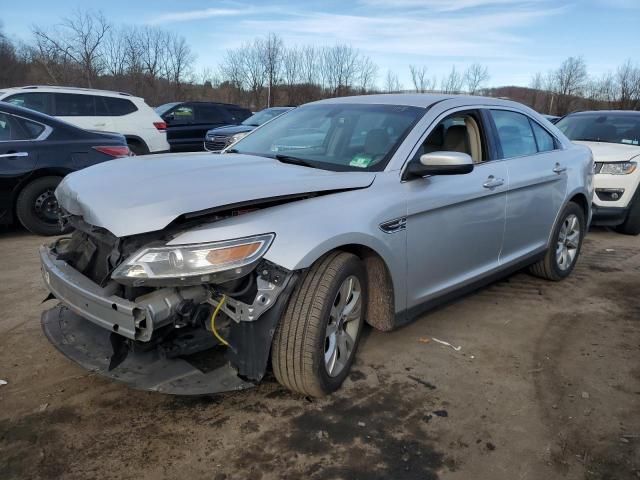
x,y
581,199
136,139
381,303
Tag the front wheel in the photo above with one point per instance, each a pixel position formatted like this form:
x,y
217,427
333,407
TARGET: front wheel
x,y
631,225
317,337
564,249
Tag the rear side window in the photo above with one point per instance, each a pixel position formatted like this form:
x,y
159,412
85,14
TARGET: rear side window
x,y
209,114
238,114
183,114
74,105
39,101
544,140
119,106
515,133
15,128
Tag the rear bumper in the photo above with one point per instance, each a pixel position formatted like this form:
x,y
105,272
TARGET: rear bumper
x,y
90,346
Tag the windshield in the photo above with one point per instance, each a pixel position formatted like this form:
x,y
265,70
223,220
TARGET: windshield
x,y
166,107
602,127
264,116
334,136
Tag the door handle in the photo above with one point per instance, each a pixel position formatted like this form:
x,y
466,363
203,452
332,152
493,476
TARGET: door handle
x,y
493,182
559,168
14,154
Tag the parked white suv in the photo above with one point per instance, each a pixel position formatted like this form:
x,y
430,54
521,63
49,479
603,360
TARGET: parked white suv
x,y
614,138
98,110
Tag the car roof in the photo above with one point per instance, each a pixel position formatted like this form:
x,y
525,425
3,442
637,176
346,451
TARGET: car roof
x,y
59,89
423,100
607,112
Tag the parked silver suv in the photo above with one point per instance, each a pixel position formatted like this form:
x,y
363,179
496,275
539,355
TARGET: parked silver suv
x,y
190,274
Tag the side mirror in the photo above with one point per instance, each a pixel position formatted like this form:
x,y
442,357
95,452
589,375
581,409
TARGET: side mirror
x,y
441,163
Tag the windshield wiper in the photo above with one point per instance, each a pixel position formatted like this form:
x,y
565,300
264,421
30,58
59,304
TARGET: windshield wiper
x,y
232,150
293,160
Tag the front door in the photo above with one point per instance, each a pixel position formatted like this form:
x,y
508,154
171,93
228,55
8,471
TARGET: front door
x,y
455,223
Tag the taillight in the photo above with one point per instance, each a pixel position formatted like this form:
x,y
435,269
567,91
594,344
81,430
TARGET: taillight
x,y
114,151
162,126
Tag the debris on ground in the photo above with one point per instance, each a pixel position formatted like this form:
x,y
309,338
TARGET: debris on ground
x,y
441,413
3,382
585,395
424,339
43,407
429,385
457,349
362,424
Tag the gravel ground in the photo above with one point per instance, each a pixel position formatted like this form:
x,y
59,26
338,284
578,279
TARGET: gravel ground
x,y
546,385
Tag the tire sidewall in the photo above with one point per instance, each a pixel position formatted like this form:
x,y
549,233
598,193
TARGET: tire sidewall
x,y
25,206
352,267
570,209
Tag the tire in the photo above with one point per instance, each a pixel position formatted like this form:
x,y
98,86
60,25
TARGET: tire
x,y
555,266
302,346
137,147
35,208
631,225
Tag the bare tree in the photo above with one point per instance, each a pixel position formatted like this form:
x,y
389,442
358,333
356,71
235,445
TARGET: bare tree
x,y
570,80
475,77
78,39
419,78
453,82
391,83
368,72
292,72
272,52
627,81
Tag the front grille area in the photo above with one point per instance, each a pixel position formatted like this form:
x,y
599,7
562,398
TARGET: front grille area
x,y
216,143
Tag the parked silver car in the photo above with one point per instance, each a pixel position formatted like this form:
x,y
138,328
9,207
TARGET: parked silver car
x,y
189,273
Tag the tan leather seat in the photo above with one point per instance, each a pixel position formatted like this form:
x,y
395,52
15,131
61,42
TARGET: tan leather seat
x,y
456,139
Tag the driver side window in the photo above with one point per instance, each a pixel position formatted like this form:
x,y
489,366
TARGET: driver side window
x,y
459,132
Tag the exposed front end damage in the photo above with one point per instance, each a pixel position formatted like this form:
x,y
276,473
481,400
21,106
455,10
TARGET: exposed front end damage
x,y
194,338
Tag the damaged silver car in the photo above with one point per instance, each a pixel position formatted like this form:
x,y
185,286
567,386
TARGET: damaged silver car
x,y
196,273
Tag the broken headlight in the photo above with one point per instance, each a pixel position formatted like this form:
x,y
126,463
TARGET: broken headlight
x,y
193,264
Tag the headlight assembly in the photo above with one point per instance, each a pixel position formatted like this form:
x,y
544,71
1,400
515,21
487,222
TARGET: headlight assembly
x,y
618,168
237,136
193,264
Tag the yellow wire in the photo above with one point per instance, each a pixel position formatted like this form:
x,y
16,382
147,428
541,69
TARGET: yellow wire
x,y
213,321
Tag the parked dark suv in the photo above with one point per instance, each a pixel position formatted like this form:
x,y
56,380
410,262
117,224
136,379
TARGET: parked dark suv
x,y
188,122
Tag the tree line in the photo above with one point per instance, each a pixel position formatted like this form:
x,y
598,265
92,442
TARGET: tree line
x,y
85,49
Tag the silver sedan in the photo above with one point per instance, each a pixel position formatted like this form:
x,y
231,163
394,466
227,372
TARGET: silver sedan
x,y
192,273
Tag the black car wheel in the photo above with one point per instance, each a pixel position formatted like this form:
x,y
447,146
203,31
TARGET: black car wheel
x,y
37,207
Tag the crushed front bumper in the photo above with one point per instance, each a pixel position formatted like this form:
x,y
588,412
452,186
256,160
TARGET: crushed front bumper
x,y
89,345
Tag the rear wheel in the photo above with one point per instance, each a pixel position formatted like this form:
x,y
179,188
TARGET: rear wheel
x,y
566,242
317,337
631,225
37,207
137,147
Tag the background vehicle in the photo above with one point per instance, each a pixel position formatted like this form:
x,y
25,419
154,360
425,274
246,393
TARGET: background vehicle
x,y
36,151
552,118
99,110
188,122
614,139
221,137
406,201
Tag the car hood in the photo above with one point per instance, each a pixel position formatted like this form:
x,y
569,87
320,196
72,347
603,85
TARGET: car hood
x,y
143,194
230,130
611,152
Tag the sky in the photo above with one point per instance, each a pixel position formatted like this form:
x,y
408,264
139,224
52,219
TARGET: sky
x,y
513,38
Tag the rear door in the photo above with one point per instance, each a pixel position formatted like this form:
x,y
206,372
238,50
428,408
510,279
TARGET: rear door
x,y
207,117
537,182
85,111
180,123
18,155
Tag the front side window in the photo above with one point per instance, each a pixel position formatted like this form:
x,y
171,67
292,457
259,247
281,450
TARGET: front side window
x,y
515,133
74,105
460,132
544,140
39,101
334,136
608,127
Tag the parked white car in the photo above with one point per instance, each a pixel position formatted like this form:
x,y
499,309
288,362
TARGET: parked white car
x,y
614,139
99,110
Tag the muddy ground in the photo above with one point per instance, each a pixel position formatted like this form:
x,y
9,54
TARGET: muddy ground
x,y
546,385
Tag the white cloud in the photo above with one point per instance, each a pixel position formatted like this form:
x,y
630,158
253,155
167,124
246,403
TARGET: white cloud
x,y
189,15
447,5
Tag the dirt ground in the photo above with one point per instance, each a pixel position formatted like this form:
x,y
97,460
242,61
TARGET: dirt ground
x,y
546,385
